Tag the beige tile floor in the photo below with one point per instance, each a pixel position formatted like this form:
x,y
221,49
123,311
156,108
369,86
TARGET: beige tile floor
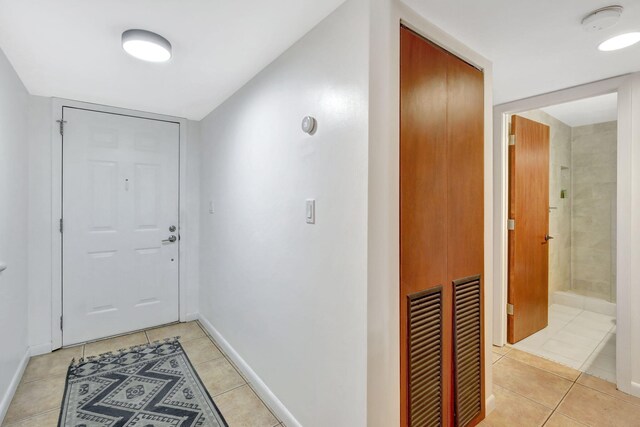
x,y
529,390
532,391
38,398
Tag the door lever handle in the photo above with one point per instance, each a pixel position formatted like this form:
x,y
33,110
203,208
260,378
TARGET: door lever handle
x,y
547,237
171,239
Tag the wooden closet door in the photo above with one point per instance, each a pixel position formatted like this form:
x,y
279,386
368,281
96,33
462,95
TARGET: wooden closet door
x,y
423,212
465,239
441,236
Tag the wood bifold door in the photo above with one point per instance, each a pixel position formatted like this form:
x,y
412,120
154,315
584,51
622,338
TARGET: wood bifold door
x,y
441,236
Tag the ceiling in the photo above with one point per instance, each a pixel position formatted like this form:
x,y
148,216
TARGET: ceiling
x,y
536,46
72,49
587,111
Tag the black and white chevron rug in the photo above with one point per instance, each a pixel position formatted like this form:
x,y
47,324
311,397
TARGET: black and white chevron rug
x,y
153,385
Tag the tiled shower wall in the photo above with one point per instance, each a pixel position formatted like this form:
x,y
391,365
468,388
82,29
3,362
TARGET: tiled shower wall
x,y
560,208
582,214
593,159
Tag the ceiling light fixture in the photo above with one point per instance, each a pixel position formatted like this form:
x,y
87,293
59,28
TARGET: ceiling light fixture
x,y
146,45
620,42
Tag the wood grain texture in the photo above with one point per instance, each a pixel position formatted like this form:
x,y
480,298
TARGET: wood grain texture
x,y
528,253
441,188
423,190
465,205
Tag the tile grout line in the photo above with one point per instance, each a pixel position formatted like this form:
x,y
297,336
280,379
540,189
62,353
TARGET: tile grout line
x,y
240,373
227,391
20,421
544,370
563,399
553,410
594,350
607,394
562,328
206,335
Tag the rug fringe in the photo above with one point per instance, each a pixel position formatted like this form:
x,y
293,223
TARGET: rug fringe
x,y
138,347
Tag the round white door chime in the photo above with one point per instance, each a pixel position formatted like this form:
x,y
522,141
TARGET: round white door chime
x,y
602,18
309,125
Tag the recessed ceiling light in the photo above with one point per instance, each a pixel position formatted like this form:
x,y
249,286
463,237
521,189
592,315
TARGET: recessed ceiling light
x,y
146,45
620,42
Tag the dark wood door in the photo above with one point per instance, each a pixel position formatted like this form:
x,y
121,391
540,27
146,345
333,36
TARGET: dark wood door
x,y
441,219
528,292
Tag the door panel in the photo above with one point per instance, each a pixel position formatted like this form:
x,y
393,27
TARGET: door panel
x,y
423,193
120,196
528,248
465,240
441,219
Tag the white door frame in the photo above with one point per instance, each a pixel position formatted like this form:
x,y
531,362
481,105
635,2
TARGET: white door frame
x,y
56,206
623,86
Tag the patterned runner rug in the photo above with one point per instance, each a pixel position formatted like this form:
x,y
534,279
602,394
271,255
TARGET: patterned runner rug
x,y
153,385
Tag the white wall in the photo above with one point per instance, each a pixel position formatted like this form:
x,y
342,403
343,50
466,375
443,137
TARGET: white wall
x,y
39,136
190,219
290,298
13,230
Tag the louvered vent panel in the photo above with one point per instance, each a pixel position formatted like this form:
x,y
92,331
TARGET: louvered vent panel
x,y
425,358
467,349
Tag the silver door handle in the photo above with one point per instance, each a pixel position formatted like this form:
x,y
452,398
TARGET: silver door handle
x,y
547,237
171,239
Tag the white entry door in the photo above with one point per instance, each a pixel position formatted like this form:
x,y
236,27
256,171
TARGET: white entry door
x,y
120,218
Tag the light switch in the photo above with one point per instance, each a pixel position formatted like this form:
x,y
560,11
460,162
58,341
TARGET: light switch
x,y
211,207
311,211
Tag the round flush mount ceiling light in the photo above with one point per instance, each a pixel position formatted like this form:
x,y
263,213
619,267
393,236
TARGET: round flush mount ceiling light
x,y
600,19
620,42
146,45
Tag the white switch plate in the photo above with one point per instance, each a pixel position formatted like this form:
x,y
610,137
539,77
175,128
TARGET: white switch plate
x,y
311,211
211,207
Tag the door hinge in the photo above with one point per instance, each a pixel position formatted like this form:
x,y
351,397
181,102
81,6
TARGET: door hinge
x,y
512,140
510,309
60,322
60,226
61,123
511,224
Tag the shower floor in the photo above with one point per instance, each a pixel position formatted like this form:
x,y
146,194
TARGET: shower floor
x,y
578,338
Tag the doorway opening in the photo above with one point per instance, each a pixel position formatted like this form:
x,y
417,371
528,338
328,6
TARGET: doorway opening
x,y
562,277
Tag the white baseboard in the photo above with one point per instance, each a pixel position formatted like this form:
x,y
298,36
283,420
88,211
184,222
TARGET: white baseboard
x,y
189,317
258,385
37,350
490,405
635,389
13,385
